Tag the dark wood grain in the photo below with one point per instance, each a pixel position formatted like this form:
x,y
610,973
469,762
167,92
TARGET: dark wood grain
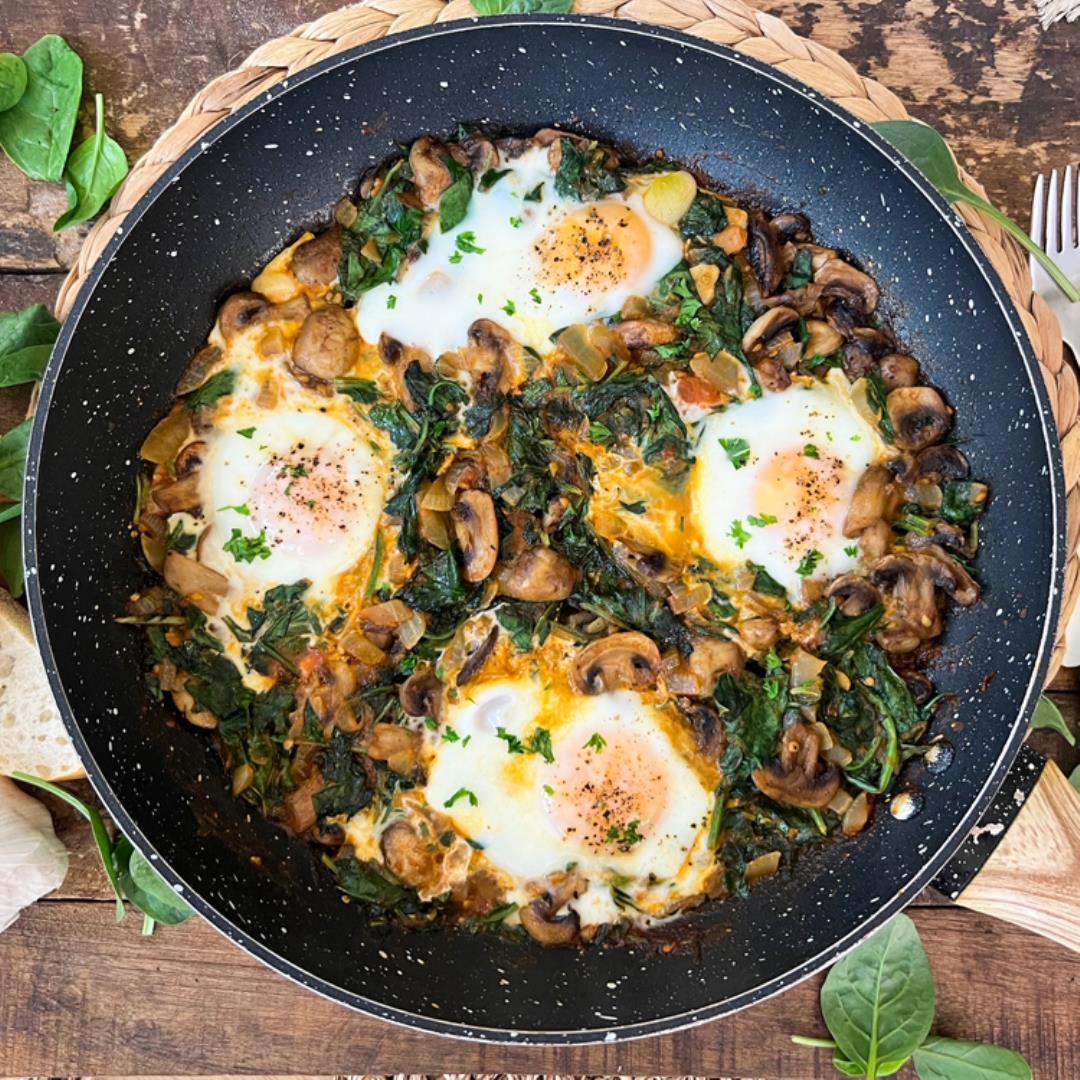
x,y
111,1002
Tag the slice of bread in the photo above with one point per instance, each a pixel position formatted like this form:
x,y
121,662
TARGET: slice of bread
x,y
33,738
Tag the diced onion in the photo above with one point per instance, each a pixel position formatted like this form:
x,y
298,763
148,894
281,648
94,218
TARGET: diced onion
x,y
388,615
412,630
436,497
166,437
805,668
669,196
722,371
763,866
497,464
684,599
242,778
358,646
840,802
433,528
857,814
574,342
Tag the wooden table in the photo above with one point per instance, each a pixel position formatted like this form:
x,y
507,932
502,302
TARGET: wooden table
x,y
81,996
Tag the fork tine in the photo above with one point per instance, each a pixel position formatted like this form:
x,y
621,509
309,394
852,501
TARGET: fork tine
x,y
1037,232
1068,210
1053,207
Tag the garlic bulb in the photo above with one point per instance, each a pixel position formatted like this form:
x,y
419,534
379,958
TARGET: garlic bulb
x,y
32,861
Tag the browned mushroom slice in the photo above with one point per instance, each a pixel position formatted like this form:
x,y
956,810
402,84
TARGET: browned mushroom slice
x,y
708,727
478,658
430,172
870,502
481,153
766,326
772,374
396,745
898,370
821,339
181,496
488,355
240,311
764,253
190,458
477,532
854,595
760,632
537,574
327,344
806,300
919,416
408,856
549,929
791,226
421,693
949,575
858,361
942,462
646,333
840,281
915,617
798,777
943,534
712,657
316,262
193,581
625,660
199,369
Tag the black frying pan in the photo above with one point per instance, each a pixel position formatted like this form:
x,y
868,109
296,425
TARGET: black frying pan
x,y
278,165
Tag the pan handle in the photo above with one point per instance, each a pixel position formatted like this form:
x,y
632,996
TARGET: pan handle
x,y
1031,875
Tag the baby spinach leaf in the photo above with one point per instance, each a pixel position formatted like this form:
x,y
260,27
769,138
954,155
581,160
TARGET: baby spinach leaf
x,y
26,340
952,1059
146,889
12,80
523,7
11,560
36,132
1074,778
1047,715
455,199
93,173
13,460
878,1001
928,151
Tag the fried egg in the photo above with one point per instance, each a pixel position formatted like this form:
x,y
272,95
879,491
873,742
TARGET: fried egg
x,y
618,792
775,476
526,258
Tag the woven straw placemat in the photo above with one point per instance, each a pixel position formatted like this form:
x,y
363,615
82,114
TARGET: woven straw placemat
x,y
727,22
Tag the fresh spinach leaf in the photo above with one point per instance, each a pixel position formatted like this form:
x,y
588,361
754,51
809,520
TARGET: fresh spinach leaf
x,y
765,583
928,151
367,881
94,171
878,1001
36,132
13,460
952,1059
585,174
345,789
26,340
705,217
146,889
12,80
1047,715
362,391
216,387
11,560
523,7
962,501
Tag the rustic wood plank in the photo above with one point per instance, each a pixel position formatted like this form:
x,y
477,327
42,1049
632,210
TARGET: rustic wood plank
x,y
80,996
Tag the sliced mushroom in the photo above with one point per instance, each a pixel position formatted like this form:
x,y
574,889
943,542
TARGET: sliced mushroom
x,y
478,658
481,153
821,339
183,700
708,727
181,496
190,458
537,574
430,172
943,534
316,262
919,416
712,657
398,746
199,369
806,300
870,502
542,920
421,693
854,595
840,281
490,353
652,567
949,575
858,361
764,253
477,532
759,633
767,326
327,344
646,333
772,374
408,856
898,370
798,778
791,226
914,617
240,311
624,660
193,581
942,462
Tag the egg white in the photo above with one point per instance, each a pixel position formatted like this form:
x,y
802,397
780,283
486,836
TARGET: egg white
x,y
511,282
808,496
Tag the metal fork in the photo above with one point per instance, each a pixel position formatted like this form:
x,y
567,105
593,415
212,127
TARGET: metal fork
x,y
1053,227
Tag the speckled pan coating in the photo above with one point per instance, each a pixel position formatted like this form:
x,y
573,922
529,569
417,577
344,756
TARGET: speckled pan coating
x,y
279,165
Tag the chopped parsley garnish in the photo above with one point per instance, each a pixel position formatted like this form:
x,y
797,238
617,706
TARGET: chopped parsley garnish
x,y
635,507
774,675
627,836
599,433
515,222
241,508
534,292
247,432
509,307
513,744
456,257
450,735
462,793
537,193
178,540
549,789
597,742
491,178
466,242
811,451
737,450
738,533
540,743
856,438
247,548
852,550
391,302
293,470
759,521
809,562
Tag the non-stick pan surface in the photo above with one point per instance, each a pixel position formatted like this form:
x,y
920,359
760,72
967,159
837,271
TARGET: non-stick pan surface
x,y
279,165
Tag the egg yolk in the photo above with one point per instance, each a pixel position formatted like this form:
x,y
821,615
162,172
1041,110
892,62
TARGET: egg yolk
x,y
305,500
594,249
800,492
608,800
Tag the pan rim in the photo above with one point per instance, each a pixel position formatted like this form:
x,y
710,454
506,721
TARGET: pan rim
x,y
589,1035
